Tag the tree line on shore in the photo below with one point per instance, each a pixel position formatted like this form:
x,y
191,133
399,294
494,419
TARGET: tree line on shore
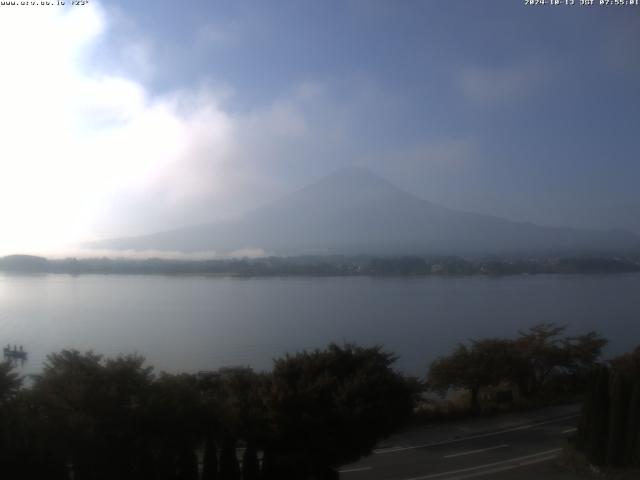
x,y
326,265
90,417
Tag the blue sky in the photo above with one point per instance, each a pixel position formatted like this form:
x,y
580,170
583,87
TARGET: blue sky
x,y
524,112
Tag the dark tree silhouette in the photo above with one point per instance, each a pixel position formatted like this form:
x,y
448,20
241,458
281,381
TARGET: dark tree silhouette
x,y
628,363
329,407
92,418
98,409
250,464
175,406
528,362
210,459
229,466
10,382
542,349
187,463
238,396
610,423
618,420
632,445
484,363
596,427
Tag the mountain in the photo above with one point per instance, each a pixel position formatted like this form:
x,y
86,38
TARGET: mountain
x,y
23,263
353,211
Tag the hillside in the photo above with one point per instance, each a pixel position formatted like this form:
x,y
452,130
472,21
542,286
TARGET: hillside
x,y
353,211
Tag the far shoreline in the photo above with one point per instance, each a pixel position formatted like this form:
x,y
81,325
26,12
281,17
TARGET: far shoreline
x,y
407,266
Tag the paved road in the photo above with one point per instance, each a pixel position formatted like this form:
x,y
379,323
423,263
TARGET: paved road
x,y
518,447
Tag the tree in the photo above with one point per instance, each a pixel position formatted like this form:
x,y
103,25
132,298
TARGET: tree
x,y
175,408
627,367
10,382
26,449
583,351
210,459
542,350
596,428
187,463
628,363
329,407
610,422
632,450
484,363
68,391
527,362
545,353
238,396
98,409
250,464
229,466
618,420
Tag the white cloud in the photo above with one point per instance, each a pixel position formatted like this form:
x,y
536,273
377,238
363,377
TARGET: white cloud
x,y
74,138
89,152
166,254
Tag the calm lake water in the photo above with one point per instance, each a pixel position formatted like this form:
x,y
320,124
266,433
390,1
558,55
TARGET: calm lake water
x,y
199,323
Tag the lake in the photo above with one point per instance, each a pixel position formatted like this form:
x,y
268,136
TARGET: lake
x,y
186,323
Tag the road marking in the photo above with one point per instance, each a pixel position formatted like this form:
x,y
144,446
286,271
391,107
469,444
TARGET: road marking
x,y
503,469
351,470
473,437
569,430
471,452
484,472
503,465
538,460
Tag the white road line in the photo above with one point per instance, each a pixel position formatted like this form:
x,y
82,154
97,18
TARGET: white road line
x,y
471,452
350,470
504,468
473,437
538,460
512,462
483,472
569,430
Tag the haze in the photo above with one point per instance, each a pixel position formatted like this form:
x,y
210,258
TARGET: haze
x,y
119,119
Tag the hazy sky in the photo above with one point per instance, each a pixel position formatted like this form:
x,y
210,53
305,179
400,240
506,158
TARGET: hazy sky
x,y
127,117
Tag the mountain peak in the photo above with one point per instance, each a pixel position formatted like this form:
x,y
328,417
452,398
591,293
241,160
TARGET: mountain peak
x,y
352,179
353,210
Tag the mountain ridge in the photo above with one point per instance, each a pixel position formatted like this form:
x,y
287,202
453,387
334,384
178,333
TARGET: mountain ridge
x,y
354,211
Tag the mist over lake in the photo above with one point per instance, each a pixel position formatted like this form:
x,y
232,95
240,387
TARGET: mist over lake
x,y
191,323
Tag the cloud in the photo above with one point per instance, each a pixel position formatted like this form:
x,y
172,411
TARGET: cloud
x,y
494,85
75,137
228,162
165,254
90,152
